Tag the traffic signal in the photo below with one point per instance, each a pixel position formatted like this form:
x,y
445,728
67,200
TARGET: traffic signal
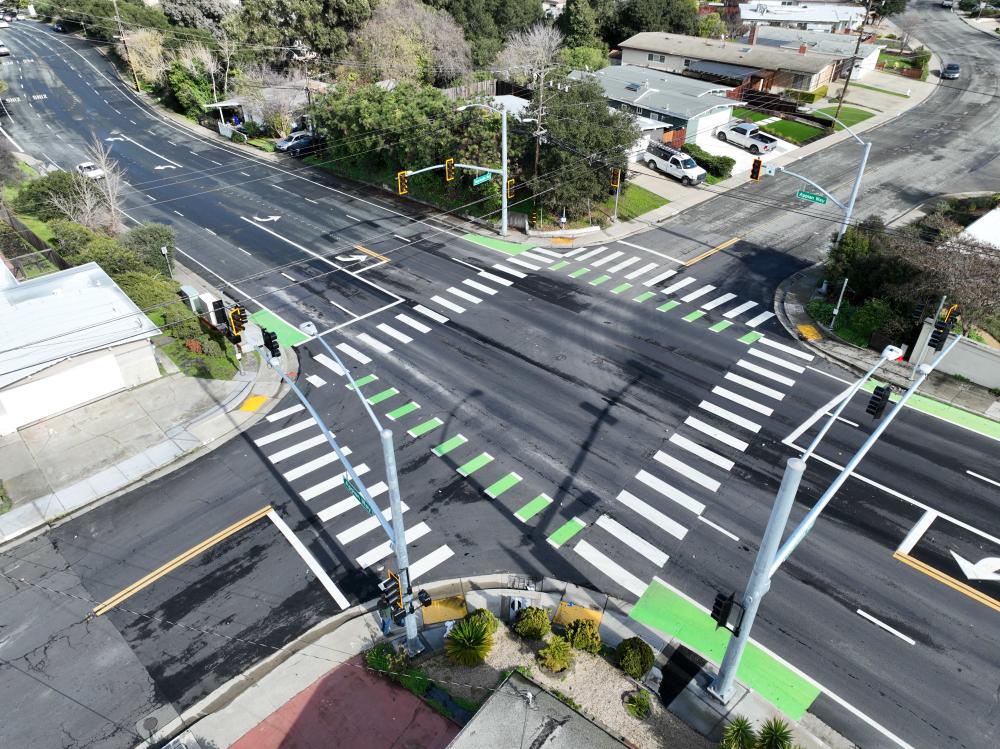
x,y
919,313
271,343
940,334
722,608
616,178
510,189
392,596
236,321
449,170
755,169
878,401
401,187
425,597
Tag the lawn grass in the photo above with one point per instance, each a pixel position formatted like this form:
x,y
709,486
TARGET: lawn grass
x,y
848,115
26,169
854,84
38,227
711,179
746,114
793,132
892,60
200,365
264,144
634,201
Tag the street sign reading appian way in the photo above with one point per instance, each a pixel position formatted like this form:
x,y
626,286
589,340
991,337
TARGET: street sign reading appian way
x,y
811,197
358,496
482,178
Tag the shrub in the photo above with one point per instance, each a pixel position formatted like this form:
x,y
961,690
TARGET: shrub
x,y
69,237
820,310
873,315
739,734
210,345
147,291
146,241
107,253
807,97
921,58
35,197
637,704
469,641
635,657
180,322
557,655
532,623
584,635
774,734
385,660
487,616
717,166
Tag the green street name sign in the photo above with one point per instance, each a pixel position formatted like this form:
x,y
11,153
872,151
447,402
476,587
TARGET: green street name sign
x,y
358,496
482,178
811,197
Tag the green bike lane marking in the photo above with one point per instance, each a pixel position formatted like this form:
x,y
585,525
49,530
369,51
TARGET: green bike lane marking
x,y
752,337
497,488
507,248
599,280
945,411
469,468
402,411
384,395
665,610
667,306
566,531
620,289
421,429
288,335
644,296
558,266
448,445
692,316
362,382
533,507
579,272
720,326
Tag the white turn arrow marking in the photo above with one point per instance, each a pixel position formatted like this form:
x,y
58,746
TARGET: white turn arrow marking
x,y
164,166
350,258
115,138
985,569
268,218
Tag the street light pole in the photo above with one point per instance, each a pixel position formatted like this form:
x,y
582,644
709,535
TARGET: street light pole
x,y
166,261
504,172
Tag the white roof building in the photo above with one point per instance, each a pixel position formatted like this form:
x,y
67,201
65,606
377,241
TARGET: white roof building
x,y
808,16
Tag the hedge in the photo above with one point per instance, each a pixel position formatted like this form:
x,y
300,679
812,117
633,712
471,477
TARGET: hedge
x,y
807,97
717,166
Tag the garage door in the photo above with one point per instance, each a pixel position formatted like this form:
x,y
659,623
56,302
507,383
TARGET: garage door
x,y
706,124
50,395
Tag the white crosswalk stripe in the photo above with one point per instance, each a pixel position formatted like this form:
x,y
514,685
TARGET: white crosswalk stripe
x,y
415,324
702,452
577,251
641,271
367,525
787,349
298,426
736,419
745,402
346,504
650,513
312,465
591,253
611,568
606,259
330,364
393,333
523,264
333,482
697,293
509,271
632,540
374,343
384,549
548,253
735,311
670,492
532,255
692,474
717,301
760,354
765,372
464,295
309,559
447,305
755,386
278,415
762,317
480,287
660,277
495,278
354,353
425,564
429,313
716,434
687,281
300,447
624,264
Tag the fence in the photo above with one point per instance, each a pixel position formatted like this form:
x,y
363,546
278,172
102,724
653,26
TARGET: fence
x,y
970,360
472,90
29,264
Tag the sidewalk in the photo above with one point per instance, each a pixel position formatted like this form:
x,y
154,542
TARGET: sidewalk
x,y
67,462
790,300
272,695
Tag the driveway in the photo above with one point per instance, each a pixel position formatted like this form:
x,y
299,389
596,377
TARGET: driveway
x,y
743,158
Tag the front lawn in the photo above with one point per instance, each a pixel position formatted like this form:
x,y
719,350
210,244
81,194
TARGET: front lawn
x,y
634,201
895,61
793,132
747,114
848,115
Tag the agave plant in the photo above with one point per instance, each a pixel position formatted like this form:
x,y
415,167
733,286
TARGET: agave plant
x,y
469,642
774,734
739,734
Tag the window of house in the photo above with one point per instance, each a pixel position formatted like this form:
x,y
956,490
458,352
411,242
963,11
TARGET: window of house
x,y
687,63
656,58
802,82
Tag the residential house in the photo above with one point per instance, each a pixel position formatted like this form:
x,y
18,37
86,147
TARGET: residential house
x,y
836,46
832,19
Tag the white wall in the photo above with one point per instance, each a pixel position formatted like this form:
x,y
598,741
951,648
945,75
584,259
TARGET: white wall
x,y
978,363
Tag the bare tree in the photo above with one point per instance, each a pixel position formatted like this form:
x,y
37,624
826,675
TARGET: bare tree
x,y
84,204
274,97
110,185
227,48
198,59
146,53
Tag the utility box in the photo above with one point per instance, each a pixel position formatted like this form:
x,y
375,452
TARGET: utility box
x,y
190,296
208,308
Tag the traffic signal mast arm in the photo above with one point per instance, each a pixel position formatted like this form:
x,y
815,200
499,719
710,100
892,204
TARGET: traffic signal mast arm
x,y
808,181
473,167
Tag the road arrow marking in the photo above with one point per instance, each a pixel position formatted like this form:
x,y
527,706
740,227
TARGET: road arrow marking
x,y
115,138
986,568
164,166
268,218
350,258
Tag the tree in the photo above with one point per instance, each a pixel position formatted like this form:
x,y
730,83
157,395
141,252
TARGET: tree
x,y
198,60
146,54
36,197
276,96
10,172
147,241
111,184
578,23
584,58
884,8
488,22
711,26
199,14
675,16
83,204
529,54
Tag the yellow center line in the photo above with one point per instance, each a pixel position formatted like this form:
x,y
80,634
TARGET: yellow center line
x,y
712,251
372,253
131,590
948,580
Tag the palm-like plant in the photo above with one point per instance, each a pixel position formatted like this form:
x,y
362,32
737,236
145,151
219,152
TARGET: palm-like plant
x,y
739,734
469,642
774,734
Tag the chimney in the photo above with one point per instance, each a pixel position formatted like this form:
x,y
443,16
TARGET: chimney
x,y
802,49
753,35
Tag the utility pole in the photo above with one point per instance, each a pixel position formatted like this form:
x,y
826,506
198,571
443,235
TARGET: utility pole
x,y
539,131
924,347
128,55
854,60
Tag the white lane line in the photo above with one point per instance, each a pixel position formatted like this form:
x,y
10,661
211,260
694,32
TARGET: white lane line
x,y
310,200
217,163
692,474
624,264
297,448
762,317
547,253
349,216
650,513
329,363
917,532
716,434
612,569
367,525
697,293
286,432
787,349
755,386
846,421
312,465
480,287
447,305
679,285
429,313
745,402
334,482
776,360
238,248
425,564
290,278
517,261
632,540
384,549
670,492
702,452
179,214
278,415
651,252
345,505
983,478
765,372
309,559
464,295
403,239
415,324
495,278
660,277
393,333
607,259
641,271
353,353
886,627
12,141
717,301
719,528
211,232
591,253
374,343
739,310
243,173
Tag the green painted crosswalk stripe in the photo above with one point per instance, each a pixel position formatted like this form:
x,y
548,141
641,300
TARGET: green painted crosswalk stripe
x,y
752,337
497,488
467,469
533,507
620,289
448,445
403,411
384,395
720,326
560,264
579,272
668,306
692,316
566,531
644,296
421,429
599,280
363,381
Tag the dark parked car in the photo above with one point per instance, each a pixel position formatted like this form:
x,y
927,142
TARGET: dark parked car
x,y
304,145
951,71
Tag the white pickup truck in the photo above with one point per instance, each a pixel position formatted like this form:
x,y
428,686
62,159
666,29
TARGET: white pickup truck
x,y
747,135
677,164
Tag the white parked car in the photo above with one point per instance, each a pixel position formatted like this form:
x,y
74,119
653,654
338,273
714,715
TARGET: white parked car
x,y
4,52
4,24
676,163
90,170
